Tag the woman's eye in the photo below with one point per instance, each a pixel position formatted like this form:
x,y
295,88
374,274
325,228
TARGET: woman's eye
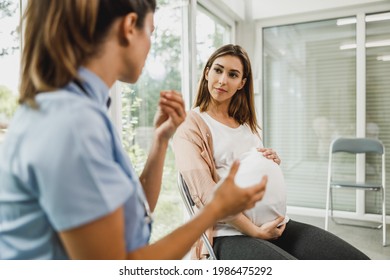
x,y
217,70
233,75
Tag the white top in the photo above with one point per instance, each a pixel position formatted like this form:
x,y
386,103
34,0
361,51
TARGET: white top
x,y
253,166
240,143
229,143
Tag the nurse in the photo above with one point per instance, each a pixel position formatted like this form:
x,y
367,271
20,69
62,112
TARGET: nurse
x,y
67,188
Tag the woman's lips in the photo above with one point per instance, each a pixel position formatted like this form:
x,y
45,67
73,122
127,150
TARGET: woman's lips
x,y
220,90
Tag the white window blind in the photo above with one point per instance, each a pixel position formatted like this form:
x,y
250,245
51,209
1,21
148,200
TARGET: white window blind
x,y
309,99
378,92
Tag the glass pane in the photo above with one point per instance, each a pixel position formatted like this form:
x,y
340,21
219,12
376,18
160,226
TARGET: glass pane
x,y
9,61
162,71
309,99
377,96
211,33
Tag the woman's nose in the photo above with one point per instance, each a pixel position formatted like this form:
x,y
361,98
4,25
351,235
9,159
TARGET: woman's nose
x,y
222,79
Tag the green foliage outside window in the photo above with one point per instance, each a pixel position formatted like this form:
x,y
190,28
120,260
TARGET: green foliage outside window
x,y
162,71
168,214
9,45
8,102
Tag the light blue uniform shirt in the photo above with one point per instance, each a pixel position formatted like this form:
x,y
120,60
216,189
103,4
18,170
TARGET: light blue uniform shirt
x,y
63,166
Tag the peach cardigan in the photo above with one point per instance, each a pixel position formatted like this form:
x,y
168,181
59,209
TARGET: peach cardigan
x,y
193,148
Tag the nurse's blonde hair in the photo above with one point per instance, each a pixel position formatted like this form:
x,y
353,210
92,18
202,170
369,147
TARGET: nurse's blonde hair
x,y
60,35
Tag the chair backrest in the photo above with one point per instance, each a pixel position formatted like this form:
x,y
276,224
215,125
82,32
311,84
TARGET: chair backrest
x,y
185,194
189,203
357,145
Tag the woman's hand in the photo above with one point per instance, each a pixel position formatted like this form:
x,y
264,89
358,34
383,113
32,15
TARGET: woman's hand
x,y
270,154
170,114
271,230
229,199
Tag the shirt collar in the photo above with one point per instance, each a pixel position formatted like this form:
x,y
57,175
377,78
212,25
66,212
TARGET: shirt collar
x,y
93,86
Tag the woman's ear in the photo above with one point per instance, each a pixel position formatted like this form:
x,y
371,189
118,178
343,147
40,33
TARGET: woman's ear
x,y
128,27
206,74
242,84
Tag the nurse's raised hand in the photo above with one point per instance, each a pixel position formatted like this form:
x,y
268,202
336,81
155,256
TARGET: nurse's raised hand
x,y
229,199
170,114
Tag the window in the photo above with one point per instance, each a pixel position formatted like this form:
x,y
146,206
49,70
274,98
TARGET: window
x,y
378,90
312,95
309,99
211,33
9,56
164,70
139,103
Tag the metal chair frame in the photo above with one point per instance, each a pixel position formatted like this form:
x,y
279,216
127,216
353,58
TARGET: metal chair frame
x,y
356,146
190,204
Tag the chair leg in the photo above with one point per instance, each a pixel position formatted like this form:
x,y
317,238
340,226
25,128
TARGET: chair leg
x,y
380,225
327,209
331,209
384,217
209,247
331,206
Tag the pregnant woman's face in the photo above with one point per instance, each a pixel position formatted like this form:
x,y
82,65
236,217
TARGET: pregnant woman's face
x,y
225,78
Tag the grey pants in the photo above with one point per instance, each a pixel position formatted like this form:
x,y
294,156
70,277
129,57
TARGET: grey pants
x,y
298,241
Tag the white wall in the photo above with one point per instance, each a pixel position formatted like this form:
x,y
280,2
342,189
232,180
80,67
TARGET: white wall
x,y
262,9
233,9
236,7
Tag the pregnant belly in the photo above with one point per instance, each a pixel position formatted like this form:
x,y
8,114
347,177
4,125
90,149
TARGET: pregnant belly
x,y
253,166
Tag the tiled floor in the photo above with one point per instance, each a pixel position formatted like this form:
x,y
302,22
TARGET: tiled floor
x,y
367,240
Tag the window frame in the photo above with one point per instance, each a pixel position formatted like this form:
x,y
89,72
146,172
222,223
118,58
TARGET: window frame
x,y
359,12
189,64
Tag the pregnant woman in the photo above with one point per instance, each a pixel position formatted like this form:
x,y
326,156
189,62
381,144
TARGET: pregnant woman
x,y
222,128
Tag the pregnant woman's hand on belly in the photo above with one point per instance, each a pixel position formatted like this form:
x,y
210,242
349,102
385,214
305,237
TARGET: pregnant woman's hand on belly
x,y
270,154
271,230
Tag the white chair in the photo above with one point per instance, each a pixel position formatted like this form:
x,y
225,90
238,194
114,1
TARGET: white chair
x,y
356,146
190,204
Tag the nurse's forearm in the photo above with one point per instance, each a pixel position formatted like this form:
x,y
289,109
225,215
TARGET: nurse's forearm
x,y
177,244
151,176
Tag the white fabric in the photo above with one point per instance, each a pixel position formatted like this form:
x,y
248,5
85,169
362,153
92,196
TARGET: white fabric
x,y
229,143
240,143
253,166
